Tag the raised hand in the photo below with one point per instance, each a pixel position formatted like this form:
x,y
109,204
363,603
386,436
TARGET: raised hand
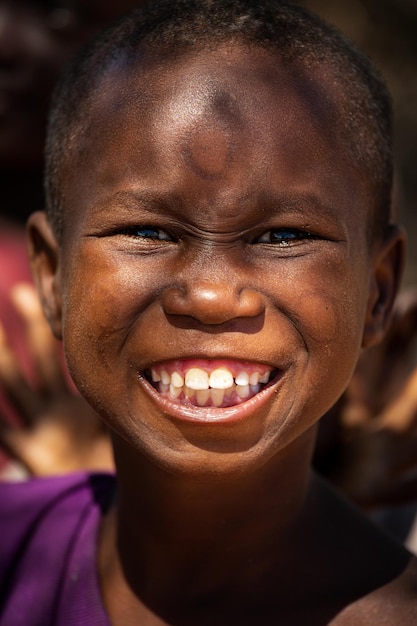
x,y
377,418
57,431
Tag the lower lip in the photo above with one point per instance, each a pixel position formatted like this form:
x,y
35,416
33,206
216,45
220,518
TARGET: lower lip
x,y
211,415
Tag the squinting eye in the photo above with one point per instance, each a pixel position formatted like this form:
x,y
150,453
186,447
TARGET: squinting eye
x,y
148,232
284,236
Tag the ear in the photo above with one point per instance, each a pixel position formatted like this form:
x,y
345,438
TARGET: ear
x,y
387,269
44,255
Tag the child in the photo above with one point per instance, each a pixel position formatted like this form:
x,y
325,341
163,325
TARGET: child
x,y
216,251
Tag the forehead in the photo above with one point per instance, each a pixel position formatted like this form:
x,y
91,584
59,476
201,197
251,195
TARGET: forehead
x,y
232,114
240,85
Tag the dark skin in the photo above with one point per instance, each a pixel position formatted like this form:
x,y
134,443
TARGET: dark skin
x,y
216,220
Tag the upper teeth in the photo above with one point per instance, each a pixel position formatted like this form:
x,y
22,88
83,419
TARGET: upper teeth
x,y
198,379
221,379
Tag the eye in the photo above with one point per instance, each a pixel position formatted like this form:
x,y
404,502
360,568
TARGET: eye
x,y
284,236
148,232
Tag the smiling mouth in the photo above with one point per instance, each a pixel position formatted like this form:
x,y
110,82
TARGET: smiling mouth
x,y
210,383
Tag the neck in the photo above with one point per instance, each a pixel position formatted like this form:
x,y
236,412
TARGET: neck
x,y
200,533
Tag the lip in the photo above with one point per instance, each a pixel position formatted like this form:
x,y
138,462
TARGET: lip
x,y
212,415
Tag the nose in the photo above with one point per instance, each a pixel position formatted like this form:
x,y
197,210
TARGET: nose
x,y
212,302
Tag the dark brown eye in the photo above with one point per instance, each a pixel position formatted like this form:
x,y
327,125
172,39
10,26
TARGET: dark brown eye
x,y
284,236
149,232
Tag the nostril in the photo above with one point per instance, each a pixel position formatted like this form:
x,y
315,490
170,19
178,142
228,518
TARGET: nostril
x,y
173,301
252,303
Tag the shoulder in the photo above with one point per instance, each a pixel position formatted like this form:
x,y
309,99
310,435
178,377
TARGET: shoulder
x,y
25,501
373,575
390,605
43,523
34,507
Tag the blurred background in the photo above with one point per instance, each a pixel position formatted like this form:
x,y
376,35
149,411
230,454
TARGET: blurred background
x,y
386,30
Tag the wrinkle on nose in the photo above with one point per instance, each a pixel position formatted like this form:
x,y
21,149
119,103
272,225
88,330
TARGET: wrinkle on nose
x,y
212,302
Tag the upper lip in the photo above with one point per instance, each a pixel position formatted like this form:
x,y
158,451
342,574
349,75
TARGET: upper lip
x,y
217,357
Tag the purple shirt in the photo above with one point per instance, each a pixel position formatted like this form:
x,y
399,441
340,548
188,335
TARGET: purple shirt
x,y
48,550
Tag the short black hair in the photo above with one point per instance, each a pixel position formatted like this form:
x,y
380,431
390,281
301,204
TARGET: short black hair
x,y
173,27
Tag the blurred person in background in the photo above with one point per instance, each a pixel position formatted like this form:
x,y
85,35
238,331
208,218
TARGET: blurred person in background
x,y
368,445
37,39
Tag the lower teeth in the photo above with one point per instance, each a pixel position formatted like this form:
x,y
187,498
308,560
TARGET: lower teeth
x,y
219,398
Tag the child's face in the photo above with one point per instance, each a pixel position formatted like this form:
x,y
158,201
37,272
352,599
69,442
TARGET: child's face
x,y
213,225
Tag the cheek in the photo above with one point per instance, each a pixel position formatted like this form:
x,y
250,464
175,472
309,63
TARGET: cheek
x,y
324,310
329,318
103,298
326,303
317,315
332,338
327,298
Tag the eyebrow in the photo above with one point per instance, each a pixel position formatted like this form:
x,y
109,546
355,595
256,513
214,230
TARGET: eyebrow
x,y
299,202
152,201
131,199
